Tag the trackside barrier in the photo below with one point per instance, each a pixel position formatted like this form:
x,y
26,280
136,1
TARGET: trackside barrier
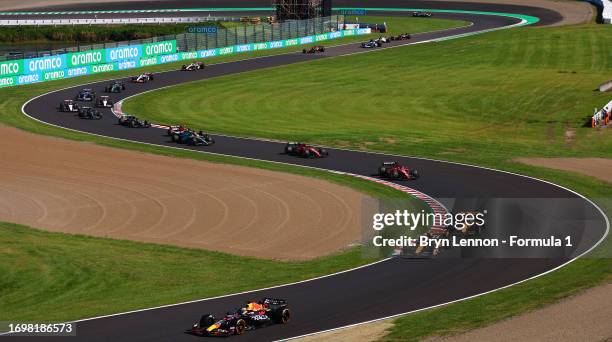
x,y
42,69
603,116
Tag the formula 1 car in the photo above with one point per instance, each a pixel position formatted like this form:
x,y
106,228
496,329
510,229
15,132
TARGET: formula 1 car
x,y
384,39
395,170
134,122
86,95
115,87
193,66
314,49
89,114
142,78
371,44
176,129
104,102
69,106
253,316
421,14
305,150
193,138
403,36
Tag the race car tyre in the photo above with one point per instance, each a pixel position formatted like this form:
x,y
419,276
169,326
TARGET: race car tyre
x,y
322,49
183,67
240,326
304,51
381,171
120,122
324,152
283,317
395,174
62,108
175,137
133,123
414,174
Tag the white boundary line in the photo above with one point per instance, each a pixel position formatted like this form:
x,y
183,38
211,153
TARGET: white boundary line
x,y
345,271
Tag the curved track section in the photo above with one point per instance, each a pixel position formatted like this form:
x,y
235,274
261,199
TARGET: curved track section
x,y
517,205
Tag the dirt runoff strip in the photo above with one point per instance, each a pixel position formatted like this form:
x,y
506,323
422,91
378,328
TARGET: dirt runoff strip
x,y
573,12
74,187
600,168
584,317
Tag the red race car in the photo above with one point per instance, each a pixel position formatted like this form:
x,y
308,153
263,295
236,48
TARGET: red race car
x,y
305,150
395,170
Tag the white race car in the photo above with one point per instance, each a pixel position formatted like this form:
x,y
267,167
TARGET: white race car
x,y
193,66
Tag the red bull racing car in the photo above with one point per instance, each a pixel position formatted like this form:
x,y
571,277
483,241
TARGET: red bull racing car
x,y
395,170
253,315
305,150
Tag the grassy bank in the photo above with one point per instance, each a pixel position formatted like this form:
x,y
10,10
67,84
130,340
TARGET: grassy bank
x,y
57,277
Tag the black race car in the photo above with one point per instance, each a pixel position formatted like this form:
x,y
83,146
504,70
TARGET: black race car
x,y
69,106
371,44
104,102
253,316
403,36
421,14
89,113
114,87
193,66
305,150
314,49
134,122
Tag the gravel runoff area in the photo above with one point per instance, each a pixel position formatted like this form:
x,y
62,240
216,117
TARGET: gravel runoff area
x,y
600,168
573,11
583,317
74,187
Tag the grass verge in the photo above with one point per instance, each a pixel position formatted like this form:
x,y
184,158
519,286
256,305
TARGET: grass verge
x,y
57,277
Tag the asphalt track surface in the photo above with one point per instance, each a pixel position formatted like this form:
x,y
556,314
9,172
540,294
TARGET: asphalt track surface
x,y
517,205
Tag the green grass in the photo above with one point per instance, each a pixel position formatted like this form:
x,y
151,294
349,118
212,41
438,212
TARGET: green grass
x,y
57,277
482,100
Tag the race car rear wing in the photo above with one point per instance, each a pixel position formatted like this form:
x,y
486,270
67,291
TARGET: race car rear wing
x,y
272,301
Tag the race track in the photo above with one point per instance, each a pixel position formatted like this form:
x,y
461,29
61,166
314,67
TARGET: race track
x,y
517,205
